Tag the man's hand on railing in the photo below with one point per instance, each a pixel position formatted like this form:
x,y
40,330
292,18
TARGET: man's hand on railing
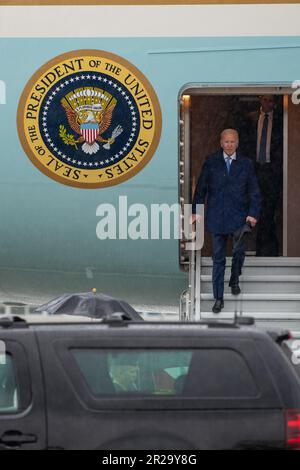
x,y
195,218
252,221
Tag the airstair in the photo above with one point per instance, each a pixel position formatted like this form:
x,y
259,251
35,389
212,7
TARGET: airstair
x,y
270,291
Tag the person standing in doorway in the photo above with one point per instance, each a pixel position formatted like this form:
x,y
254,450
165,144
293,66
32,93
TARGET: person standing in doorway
x,y
229,183
263,134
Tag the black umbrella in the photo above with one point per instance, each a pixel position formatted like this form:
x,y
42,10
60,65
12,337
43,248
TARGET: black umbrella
x,y
241,233
90,304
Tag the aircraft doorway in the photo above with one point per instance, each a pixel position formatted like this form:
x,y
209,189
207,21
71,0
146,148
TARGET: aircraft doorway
x,y
205,112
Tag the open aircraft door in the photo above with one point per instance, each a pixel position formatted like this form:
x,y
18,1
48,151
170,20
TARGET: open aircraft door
x,y
204,111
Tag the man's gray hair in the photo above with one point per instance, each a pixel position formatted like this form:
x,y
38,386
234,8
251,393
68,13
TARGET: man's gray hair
x,y
229,131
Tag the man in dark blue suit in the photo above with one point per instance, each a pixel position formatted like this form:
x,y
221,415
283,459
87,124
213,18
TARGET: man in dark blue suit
x,y
233,199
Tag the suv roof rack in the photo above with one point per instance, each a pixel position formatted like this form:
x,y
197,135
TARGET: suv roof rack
x,y
9,321
240,320
117,318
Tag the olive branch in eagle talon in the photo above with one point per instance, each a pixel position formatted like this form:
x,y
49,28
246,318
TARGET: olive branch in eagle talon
x,y
68,139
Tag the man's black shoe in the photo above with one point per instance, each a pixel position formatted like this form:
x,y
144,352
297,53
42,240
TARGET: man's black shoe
x,y
235,289
218,305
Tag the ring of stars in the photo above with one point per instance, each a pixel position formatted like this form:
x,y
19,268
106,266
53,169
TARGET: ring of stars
x,y
98,79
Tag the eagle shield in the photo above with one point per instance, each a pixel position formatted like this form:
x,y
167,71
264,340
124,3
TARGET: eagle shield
x,y
89,112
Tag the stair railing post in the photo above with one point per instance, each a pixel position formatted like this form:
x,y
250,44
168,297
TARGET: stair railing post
x,y
194,248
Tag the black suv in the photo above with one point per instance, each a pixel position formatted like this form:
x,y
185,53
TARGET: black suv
x,y
123,385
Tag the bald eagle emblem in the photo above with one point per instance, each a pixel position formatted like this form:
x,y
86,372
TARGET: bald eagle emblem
x,y
89,113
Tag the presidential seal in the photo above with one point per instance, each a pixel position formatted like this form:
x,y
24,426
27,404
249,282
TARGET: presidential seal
x,y
89,119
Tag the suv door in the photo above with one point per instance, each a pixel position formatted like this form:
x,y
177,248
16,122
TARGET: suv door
x,y
22,407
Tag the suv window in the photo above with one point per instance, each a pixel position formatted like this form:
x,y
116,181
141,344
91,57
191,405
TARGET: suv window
x,y
204,373
8,386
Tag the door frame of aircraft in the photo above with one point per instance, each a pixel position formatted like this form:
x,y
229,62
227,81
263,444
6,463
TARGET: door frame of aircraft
x,y
184,140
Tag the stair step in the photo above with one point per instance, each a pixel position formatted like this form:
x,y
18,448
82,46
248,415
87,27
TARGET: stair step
x,y
261,266
249,261
258,278
255,302
258,284
267,316
257,288
260,297
254,306
252,270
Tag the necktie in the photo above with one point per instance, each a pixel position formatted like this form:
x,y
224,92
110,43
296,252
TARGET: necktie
x,y
262,157
228,163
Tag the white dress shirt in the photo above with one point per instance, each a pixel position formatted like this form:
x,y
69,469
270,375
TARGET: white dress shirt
x,y
232,157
